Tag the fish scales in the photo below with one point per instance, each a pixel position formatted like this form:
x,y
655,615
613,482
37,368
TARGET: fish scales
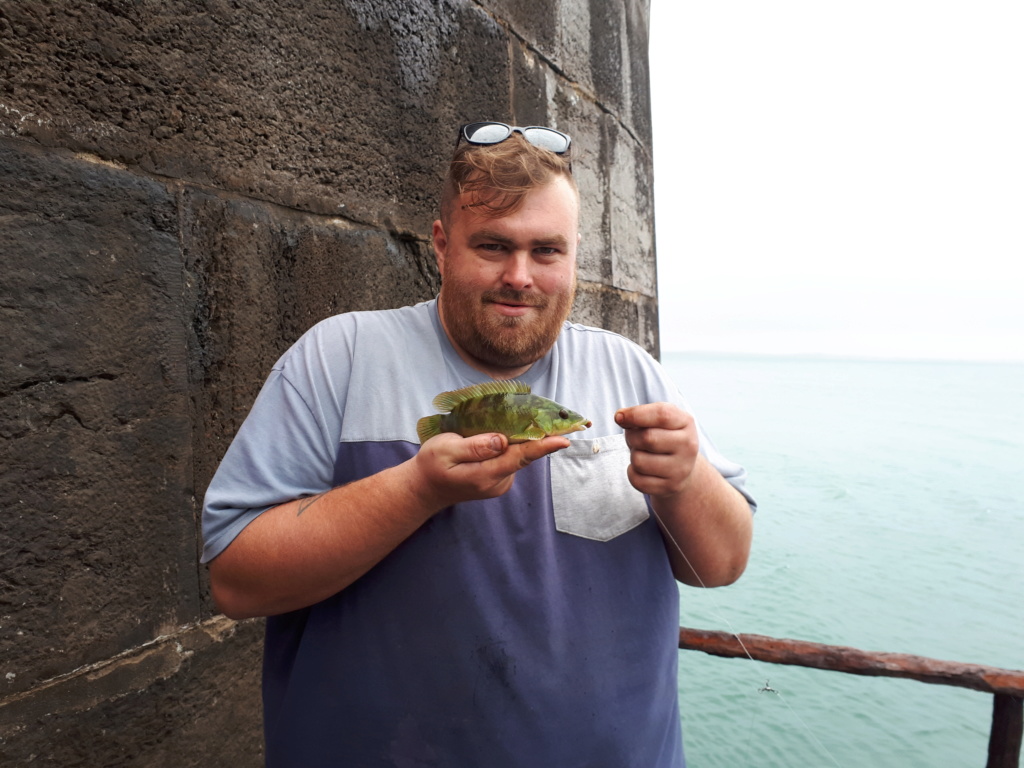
x,y
507,407
510,413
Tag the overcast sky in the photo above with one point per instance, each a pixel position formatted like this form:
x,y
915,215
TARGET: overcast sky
x,y
840,177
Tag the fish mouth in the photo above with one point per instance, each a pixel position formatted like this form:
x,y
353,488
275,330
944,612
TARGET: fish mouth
x,y
574,428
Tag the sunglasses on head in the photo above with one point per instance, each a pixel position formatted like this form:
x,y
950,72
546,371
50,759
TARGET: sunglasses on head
x,y
495,133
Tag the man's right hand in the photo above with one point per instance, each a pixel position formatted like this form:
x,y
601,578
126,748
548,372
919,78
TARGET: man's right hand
x,y
455,469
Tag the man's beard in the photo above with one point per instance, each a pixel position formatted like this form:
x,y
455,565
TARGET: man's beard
x,y
503,342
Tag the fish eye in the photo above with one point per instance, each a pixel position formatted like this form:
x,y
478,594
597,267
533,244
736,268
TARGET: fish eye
x,y
563,413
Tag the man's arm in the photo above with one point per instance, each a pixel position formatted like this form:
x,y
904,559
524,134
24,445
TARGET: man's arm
x,y
707,524
306,550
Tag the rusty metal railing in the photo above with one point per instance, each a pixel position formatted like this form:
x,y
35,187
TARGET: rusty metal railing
x,y
1006,685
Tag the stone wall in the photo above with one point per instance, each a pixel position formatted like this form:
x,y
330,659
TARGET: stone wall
x,y
184,189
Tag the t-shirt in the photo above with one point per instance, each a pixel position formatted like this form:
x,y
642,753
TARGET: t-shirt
x,y
539,628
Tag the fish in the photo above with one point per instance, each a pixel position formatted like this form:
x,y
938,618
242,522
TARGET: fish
x,y
507,407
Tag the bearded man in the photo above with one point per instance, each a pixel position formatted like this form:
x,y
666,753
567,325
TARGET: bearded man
x,y
424,609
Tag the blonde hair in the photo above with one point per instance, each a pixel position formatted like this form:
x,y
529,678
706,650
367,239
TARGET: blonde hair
x,y
499,175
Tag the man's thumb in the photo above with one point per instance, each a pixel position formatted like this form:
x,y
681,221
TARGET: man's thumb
x,y
483,447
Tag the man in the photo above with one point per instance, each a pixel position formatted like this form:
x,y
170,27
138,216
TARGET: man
x,y
467,602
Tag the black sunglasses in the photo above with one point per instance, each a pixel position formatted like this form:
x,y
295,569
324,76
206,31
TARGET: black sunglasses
x,y
495,133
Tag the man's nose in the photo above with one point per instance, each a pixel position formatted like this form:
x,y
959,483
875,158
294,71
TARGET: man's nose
x,y
517,272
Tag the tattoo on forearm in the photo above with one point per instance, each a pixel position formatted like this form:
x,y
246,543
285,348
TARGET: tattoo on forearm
x,y
308,502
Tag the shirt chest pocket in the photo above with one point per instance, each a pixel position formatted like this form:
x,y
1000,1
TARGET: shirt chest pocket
x,y
590,492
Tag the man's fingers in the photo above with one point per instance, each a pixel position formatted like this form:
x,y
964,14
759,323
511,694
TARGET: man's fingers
x,y
654,464
664,415
503,457
482,466
520,455
663,446
535,450
650,440
461,450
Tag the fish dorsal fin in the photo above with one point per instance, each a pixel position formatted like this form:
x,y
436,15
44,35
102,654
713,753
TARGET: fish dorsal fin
x,y
447,401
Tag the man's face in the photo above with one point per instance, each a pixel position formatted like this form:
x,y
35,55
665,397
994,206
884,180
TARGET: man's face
x,y
508,283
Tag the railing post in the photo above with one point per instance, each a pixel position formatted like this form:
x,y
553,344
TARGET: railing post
x,y
1007,727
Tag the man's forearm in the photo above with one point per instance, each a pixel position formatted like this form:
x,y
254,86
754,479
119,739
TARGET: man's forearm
x,y
707,528
306,550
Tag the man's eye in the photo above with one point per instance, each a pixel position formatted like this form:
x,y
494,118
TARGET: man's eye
x,y
549,255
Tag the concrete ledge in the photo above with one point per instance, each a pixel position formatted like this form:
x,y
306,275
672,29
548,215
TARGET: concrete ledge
x,y
153,705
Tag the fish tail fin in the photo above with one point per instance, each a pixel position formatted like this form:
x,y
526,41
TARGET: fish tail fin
x,y
428,426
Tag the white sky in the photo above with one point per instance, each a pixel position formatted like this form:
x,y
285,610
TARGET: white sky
x,y
840,177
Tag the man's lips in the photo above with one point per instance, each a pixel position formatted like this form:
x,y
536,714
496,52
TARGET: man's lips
x,y
512,307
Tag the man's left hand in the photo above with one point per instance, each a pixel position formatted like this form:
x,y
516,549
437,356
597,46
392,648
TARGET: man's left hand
x,y
663,444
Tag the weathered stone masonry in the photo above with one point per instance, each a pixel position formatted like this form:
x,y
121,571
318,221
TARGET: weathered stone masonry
x,y
186,187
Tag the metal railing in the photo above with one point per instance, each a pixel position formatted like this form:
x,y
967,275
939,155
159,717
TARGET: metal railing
x,y
1006,685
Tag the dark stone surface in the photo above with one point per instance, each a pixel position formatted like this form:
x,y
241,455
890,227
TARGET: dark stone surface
x,y
98,541
141,322
187,700
529,90
598,45
308,104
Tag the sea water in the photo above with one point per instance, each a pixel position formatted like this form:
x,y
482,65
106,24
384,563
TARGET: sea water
x,y
890,519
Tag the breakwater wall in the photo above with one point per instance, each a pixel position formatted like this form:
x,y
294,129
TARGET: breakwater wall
x,y
184,189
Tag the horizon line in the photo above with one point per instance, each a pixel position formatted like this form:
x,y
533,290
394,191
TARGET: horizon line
x,y
841,357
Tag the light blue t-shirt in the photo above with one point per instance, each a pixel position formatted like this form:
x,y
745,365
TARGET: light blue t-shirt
x,y
539,628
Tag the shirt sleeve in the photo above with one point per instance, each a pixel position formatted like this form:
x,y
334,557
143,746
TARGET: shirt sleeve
x,y
281,453
733,473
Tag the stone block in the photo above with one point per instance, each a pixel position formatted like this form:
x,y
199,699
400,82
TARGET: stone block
x,y
593,44
260,276
633,316
531,80
331,107
536,23
637,16
630,211
97,550
592,173
190,699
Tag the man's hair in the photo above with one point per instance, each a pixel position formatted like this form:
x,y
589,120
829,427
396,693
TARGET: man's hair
x,y
500,175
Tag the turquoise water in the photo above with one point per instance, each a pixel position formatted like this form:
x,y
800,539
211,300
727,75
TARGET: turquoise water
x,y
890,519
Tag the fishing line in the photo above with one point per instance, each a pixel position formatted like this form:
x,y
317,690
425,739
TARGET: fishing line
x,y
766,688
750,727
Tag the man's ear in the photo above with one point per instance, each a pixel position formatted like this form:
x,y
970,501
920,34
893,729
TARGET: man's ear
x,y
440,245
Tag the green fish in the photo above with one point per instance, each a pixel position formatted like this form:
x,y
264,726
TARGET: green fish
x,y
499,406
